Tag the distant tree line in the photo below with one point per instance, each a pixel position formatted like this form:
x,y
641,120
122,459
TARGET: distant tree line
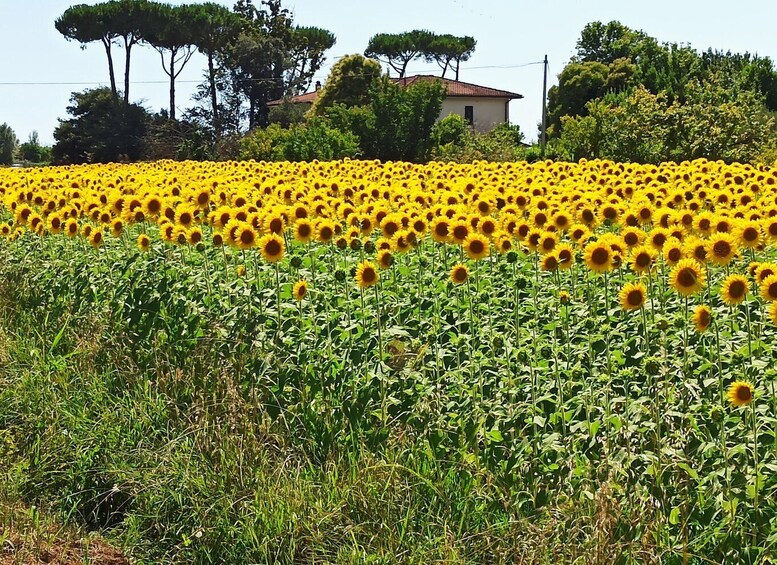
x,y
254,54
626,96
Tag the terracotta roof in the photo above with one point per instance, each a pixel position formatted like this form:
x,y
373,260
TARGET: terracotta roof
x,y
455,88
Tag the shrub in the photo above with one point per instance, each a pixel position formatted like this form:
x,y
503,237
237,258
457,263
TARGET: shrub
x,y
314,140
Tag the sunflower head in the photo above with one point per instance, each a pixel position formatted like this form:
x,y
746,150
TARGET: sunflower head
x,y
687,277
144,242
385,259
272,247
768,288
300,290
476,246
734,289
633,296
598,257
740,393
702,318
366,275
459,274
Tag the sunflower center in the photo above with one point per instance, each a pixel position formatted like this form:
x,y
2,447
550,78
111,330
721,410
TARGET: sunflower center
x,y
750,234
674,254
744,394
772,291
721,249
460,232
705,318
369,275
600,256
686,277
737,289
476,247
551,263
634,298
273,248
246,237
304,230
643,259
631,239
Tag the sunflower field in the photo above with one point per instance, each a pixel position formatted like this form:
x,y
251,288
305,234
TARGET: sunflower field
x,y
578,353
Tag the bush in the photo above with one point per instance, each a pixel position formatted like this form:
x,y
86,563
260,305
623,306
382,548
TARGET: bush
x,y
503,143
314,140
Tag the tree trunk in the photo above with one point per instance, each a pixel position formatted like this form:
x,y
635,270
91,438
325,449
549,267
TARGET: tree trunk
x,y
172,85
213,99
128,49
251,113
107,45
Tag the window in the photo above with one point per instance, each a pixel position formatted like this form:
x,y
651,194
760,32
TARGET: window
x,y
469,114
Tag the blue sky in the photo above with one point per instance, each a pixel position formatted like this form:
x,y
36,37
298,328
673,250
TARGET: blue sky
x,y
510,34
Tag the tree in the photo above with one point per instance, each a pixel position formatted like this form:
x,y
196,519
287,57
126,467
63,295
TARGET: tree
x,y
8,143
398,49
272,58
216,27
308,45
85,24
32,151
349,83
448,51
100,130
172,30
126,19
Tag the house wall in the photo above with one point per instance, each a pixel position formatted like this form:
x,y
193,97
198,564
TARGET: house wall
x,y
488,112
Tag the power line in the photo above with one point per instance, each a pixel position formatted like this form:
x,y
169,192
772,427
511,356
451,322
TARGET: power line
x,y
257,79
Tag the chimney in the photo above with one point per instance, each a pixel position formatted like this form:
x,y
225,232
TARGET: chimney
x,y
318,85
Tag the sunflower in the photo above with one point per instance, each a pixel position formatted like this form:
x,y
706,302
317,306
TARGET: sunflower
x,y
441,230
300,290
96,238
547,243
765,270
272,247
687,277
702,318
740,393
673,251
563,297
385,259
550,262
144,242
721,248
71,227
241,270
773,312
303,230
459,274
598,256
748,234
245,236
476,246
566,256
632,296
642,258
734,289
366,275
768,288
459,231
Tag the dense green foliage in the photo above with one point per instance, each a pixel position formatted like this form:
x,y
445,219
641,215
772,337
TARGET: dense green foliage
x,y
8,143
100,131
621,80
314,139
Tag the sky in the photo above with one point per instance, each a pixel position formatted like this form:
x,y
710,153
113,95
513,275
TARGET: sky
x,y
39,69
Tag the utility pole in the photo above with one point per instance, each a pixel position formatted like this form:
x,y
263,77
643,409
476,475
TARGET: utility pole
x,y
544,139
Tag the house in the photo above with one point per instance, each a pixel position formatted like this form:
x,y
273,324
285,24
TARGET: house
x,y
481,106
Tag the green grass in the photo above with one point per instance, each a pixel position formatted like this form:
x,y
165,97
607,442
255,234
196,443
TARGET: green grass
x,y
154,398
